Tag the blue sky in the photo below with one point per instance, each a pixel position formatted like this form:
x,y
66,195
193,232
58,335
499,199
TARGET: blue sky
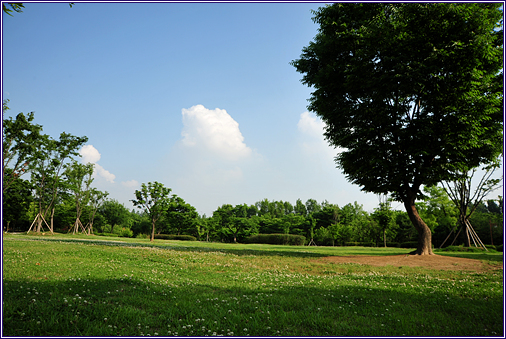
x,y
198,96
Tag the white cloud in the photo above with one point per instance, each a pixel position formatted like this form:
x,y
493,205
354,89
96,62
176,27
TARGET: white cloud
x,y
313,141
90,154
104,173
311,125
214,131
130,183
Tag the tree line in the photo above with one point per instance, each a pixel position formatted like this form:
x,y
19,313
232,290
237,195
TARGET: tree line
x,y
46,189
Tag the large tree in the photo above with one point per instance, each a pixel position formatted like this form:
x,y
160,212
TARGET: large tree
x,y
409,92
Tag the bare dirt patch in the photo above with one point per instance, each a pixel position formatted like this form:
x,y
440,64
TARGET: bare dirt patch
x,y
436,262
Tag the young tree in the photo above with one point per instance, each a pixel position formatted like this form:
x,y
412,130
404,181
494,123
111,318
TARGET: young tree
x,y
385,217
96,199
154,199
79,178
409,92
460,192
49,161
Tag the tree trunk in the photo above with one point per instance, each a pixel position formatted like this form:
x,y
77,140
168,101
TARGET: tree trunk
x,y
153,232
424,234
385,237
39,224
52,218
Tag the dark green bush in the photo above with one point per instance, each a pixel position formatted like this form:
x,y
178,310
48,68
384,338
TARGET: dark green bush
x,y
499,248
276,239
126,233
392,244
175,237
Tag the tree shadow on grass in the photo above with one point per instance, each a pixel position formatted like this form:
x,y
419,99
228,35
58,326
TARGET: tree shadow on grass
x,y
126,306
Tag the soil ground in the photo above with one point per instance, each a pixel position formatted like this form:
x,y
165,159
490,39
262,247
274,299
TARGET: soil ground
x,y
436,262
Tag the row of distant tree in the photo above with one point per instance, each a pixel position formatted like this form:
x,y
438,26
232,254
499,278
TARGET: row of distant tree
x,y
46,189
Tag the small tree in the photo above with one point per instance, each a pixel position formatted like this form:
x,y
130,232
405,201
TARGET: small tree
x,y
154,199
79,178
96,199
385,217
460,192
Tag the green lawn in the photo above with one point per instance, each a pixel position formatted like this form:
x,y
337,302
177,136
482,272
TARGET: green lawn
x,y
84,286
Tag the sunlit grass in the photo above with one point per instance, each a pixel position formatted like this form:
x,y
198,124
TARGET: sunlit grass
x,y
59,288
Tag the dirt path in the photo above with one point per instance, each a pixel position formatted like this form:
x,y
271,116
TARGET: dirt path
x,y
437,262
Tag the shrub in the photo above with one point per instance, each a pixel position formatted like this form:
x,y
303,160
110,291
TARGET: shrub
x,y
276,239
175,237
126,233
499,248
142,236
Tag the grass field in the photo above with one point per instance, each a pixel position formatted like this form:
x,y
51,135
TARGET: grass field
x,y
74,286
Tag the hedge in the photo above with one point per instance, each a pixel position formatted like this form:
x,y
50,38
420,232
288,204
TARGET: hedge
x,y
175,237
276,239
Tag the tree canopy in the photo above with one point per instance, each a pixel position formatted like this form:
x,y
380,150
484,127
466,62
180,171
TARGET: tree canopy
x,y
410,93
154,199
